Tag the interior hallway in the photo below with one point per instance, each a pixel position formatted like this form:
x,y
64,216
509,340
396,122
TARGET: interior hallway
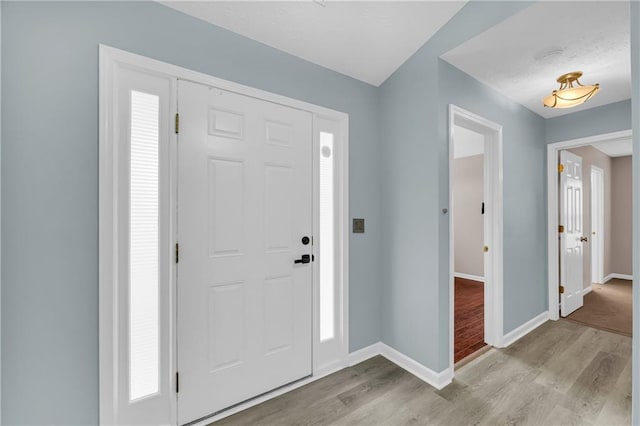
x,y
608,307
560,373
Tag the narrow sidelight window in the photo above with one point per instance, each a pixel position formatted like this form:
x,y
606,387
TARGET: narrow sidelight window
x,y
327,238
144,263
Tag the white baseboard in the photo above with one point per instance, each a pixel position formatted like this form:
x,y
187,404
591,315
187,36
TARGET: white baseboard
x,y
587,290
437,380
468,276
514,335
364,354
617,276
427,375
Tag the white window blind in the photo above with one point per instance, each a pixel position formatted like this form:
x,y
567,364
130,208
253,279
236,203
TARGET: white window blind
x,y
144,263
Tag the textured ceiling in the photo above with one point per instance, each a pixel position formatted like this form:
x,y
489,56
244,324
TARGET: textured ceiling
x,y
365,40
522,56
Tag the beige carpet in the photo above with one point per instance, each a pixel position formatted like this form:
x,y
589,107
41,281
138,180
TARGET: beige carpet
x,y
608,307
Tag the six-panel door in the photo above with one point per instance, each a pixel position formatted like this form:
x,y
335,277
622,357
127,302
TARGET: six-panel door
x,y
572,239
244,203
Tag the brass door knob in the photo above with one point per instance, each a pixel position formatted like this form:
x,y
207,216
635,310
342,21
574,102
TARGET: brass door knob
x,y
485,249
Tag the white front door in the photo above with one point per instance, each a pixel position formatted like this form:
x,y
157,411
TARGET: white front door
x,y
244,206
572,238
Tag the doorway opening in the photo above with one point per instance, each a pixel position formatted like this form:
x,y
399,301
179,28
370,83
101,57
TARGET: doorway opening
x,y
590,210
475,223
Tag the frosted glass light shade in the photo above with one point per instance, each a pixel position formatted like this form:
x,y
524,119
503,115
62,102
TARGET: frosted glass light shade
x,y
568,95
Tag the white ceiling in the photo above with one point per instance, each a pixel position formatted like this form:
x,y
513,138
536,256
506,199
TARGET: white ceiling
x,y
616,148
522,56
365,40
467,143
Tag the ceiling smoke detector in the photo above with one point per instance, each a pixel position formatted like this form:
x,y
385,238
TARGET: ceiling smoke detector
x,y
550,54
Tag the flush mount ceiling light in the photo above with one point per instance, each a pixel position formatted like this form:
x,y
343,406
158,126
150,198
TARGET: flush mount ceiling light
x,y
570,95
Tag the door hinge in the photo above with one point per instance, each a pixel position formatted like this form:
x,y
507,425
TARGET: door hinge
x,y
177,382
561,289
177,252
561,228
177,123
560,167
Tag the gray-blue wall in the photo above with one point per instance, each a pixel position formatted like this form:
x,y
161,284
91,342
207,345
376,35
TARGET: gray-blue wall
x,y
414,121
50,182
595,121
524,156
610,118
399,182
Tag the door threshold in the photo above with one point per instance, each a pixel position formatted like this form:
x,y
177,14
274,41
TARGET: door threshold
x,y
246,401
466,360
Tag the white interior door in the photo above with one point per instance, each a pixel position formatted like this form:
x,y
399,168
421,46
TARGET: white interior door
x,y
244,206
597,225
572,239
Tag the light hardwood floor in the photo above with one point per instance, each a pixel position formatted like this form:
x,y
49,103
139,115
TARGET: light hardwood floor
x,y
562,373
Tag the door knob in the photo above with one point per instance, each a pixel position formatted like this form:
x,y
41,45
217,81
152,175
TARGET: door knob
x,y
306,258
583,239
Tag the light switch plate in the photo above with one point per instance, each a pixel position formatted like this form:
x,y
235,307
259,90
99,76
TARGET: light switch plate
x,y
358,226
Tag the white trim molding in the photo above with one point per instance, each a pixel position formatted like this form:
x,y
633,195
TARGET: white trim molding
x,y
526,328
364,354
326,361
432,378
553,251
427,375
493,226
617,276
587,290
597,223
469,277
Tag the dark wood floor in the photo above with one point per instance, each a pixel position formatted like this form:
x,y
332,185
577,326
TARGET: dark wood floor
x,y
468,318
559,374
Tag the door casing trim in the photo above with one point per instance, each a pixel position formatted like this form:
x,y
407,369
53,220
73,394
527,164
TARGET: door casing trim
x,y
599,248
109,58
493,262
553,180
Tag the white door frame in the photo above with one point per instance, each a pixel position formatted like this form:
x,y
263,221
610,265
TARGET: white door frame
x,y
553,251
597,226
493,260
112,59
